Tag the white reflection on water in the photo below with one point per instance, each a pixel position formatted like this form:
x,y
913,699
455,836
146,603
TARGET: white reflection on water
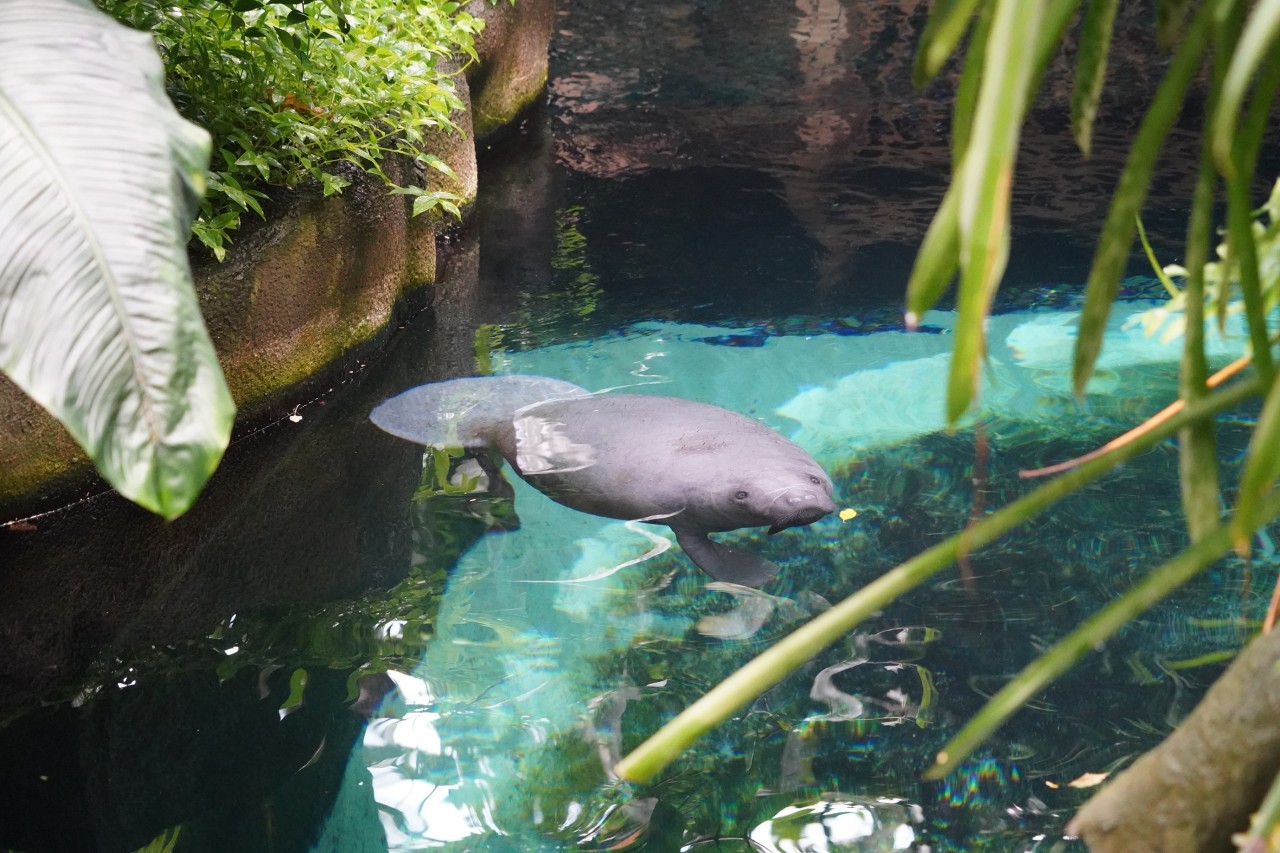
x,y
851,825
753,609
543,447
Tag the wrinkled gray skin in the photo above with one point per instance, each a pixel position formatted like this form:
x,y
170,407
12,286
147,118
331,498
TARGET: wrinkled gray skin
x,y
694,467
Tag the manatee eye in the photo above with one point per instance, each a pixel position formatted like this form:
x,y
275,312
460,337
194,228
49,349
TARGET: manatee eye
x,y
815,480
742,496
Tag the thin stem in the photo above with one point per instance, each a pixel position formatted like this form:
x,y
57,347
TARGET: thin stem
x,y
1095,631
1141,429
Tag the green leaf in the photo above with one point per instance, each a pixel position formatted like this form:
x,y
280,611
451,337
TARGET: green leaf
x,y
423,203
1057,15
212,240
1169,286
165,842
440,465
1197,445
948,20
1242,247
938,259
985,179
1171,19
1112,254
1254,50
439,165
336,7
297,689
100,182
258,162
935,263
1262,467
333,184
1091,69
967,89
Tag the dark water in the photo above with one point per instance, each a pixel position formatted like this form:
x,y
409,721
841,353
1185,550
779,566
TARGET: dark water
x,y
341,650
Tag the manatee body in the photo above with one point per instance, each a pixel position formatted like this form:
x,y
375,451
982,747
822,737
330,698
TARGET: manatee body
x,y
694,467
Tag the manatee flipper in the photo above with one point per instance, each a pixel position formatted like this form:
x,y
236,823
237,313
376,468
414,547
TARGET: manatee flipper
x,y
498,511
724,562
490,465
471,412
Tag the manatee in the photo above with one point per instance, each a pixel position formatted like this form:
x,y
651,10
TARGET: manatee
x,y
695,467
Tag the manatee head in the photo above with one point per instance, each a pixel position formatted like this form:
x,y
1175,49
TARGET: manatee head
x,y
775,496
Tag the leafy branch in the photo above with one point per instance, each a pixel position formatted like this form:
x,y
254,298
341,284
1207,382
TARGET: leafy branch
x,y
291,91
1010,45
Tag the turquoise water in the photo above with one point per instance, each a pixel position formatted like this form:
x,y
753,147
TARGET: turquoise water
x,y
559,645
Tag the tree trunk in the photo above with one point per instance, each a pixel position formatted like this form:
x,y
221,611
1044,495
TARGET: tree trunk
x,y
1205,780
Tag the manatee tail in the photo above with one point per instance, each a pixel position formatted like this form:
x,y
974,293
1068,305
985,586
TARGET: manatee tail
x,y
466,412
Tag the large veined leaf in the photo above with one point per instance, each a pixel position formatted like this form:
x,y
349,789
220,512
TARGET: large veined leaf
x,y
99,322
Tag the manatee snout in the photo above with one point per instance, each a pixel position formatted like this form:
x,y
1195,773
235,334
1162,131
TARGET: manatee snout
x,y
796,508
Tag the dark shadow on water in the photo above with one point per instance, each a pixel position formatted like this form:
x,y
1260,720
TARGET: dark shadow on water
x,y
202,672
183,747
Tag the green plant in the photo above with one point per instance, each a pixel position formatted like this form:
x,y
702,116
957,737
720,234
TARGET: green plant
x,y
101,324
292,91
1010,44
99,321
165,842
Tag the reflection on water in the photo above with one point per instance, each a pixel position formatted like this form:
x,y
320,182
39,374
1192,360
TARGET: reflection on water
x,y
560,644
831,826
